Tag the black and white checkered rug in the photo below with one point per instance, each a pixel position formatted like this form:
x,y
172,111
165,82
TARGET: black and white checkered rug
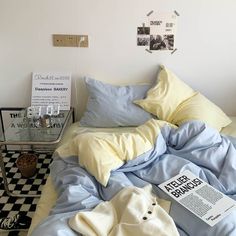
x,y
21,185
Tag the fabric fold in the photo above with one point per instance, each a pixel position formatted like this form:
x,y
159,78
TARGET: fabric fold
x,y
132,211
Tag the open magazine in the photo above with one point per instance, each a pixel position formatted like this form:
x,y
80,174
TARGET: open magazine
x,y
199,197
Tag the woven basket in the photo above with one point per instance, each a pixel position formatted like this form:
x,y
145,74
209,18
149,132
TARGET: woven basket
x,y
27,163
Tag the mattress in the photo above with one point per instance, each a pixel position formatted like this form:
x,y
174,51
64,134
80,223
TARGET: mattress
x,y
49,195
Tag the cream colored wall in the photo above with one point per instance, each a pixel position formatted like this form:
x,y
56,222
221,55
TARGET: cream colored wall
x,y
205,40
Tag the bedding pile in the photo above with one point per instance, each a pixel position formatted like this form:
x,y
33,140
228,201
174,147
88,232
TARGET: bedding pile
x,y
84,179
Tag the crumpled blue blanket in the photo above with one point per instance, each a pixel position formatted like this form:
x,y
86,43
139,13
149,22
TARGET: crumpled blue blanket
x,y
193,146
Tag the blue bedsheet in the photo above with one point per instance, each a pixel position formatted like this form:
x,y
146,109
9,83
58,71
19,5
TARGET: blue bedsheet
x,y
193,146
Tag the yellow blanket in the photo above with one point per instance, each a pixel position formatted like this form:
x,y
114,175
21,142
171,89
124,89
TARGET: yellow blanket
x,y
100,152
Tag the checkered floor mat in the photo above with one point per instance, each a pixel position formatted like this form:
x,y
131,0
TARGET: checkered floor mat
x,y
21,185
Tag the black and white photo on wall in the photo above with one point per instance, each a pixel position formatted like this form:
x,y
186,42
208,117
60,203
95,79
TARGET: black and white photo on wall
x,y
158,33
143,36
162,42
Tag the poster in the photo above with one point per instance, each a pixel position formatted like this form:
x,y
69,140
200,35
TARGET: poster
x,y
159,32
206,202
8,117
51,89
17,127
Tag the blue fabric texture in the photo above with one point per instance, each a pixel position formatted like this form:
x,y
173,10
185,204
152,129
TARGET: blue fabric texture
x,y
193,146
112,106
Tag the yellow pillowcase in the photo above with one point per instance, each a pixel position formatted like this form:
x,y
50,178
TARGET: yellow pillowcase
x,y
163,99
198,107
174,101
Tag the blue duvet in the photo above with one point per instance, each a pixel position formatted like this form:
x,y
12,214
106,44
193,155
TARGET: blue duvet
x,y
193,146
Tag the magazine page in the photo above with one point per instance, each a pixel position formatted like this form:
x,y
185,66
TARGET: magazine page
x,y
51,89
199,197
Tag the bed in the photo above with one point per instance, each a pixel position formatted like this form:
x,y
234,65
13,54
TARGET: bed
x,y
178,140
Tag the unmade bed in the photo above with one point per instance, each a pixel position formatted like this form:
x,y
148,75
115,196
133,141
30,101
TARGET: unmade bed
x,y
129,140
49,195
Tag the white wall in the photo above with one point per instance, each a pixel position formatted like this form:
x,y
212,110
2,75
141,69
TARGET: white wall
x,y
206,42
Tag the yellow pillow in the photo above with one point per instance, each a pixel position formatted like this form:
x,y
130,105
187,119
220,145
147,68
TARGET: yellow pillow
x,y
198,107
174,101
163,99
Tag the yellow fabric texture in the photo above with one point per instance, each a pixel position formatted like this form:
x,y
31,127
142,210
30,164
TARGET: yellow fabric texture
x,y
198,107
101,152
174,101
169,92
131,212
